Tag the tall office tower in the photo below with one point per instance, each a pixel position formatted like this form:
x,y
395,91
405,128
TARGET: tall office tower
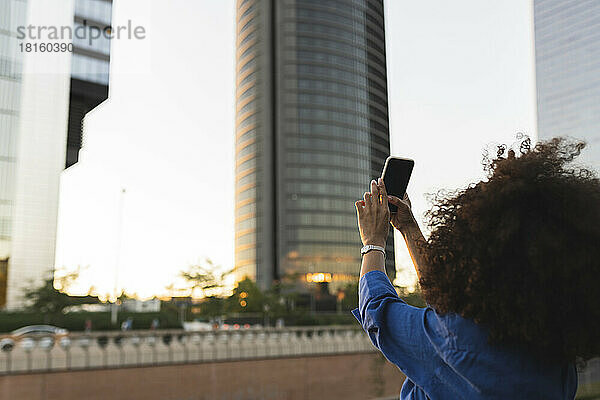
x,y
90,73
13,14
567,55
311,131
43,99
34,127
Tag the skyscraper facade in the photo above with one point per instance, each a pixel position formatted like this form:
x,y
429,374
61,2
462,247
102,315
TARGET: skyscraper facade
x,y
567,55
43,98
13,13
311,131
90,69
37,135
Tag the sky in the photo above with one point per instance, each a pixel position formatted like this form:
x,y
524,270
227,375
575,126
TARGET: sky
x,y
153,192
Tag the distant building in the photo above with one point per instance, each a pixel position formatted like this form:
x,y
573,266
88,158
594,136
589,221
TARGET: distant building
x,y
311,132
567,55
567,61
139,306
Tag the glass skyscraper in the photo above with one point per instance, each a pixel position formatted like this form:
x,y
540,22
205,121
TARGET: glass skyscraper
x,y
311,132
13,13
43,99
567,55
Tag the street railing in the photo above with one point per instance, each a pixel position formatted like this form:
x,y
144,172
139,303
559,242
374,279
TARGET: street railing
x,y
115,349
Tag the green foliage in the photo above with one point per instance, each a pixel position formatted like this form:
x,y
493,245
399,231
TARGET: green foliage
x,y
413,298
47,299
246,297
281,300
350,300
212,306
202,278
76,321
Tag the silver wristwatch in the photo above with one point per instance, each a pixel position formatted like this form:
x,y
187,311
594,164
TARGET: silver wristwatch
x,y
370,247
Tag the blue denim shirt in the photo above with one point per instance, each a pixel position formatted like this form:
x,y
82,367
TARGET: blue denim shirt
x,y
447,356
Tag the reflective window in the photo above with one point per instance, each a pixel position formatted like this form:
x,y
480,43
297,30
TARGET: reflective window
x,y
246,224
247,194
248,37
249,134
247,25
334,87
248,51
246,209
251,148
248,11
90,69
84,39
242,3
332,59
247,254
333,101
96,10
248,164
247,93
249,120
249,78
332,72
249,64
327,159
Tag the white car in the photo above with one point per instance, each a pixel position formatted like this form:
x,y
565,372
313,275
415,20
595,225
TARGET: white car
x,y
28,336
196,326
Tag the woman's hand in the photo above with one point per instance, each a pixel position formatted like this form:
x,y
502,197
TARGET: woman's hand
x,y
403,218
374,215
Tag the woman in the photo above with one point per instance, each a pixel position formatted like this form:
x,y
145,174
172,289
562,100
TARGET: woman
x,y
510,273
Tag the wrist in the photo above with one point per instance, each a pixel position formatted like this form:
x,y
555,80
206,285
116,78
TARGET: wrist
x,y
375,242
407,224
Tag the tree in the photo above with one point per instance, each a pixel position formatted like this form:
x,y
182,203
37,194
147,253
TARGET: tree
x,y
212,306
350,296
203,278
282,296
246,297
49,300
414,298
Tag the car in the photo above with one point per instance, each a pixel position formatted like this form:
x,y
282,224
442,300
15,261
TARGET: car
x,y
196,326
44,335
39,331
7,344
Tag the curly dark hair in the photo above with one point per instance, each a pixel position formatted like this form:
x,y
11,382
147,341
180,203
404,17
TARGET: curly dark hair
x,y
519,253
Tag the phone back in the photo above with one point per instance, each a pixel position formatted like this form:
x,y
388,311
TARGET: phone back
x,y
396,174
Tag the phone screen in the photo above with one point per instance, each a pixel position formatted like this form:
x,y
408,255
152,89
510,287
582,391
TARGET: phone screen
x,y
396,174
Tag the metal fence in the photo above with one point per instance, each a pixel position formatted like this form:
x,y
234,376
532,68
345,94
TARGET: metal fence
x,y
78,351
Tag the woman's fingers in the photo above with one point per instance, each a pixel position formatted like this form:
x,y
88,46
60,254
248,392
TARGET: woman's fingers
x,y
360,204
407,200
374,190
367,198
384,196
394,200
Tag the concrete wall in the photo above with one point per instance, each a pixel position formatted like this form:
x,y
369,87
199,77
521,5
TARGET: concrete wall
x,y
349,376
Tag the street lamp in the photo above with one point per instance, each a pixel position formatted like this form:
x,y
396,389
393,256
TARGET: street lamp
x,y
114,307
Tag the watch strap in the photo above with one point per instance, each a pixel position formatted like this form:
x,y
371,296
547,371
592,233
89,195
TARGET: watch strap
x,y
370,247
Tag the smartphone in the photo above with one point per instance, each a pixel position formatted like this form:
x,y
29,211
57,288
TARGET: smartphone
x,y
396,174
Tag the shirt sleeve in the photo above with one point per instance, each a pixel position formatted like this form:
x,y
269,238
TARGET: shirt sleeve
x,y
403,333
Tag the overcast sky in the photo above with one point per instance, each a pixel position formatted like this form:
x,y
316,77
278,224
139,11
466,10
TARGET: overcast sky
x,y
460,77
